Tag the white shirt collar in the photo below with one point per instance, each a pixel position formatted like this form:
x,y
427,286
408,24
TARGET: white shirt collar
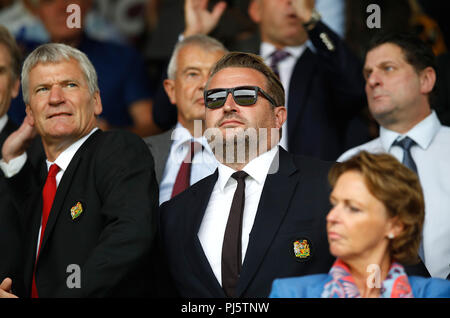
x,y
181,136
3,121
423,133
257,168
66,156
267,49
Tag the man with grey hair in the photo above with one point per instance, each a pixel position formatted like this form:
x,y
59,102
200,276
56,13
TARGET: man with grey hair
x,y
88,226
182,155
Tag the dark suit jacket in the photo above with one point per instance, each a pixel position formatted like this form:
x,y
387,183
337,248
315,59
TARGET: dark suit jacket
x,y
112,176
159,145
292,207
9,223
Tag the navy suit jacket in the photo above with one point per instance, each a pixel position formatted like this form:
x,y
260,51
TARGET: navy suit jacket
x,y
292,207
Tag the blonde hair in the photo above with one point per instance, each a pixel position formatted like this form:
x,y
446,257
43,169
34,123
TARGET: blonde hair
x,y
399,189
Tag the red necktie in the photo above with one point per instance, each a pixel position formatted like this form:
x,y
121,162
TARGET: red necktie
x,y
48,195
182,181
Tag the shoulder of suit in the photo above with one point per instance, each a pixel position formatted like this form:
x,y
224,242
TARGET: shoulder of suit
x,y
300,286
156,139
429,287
306,163
115,140
373,146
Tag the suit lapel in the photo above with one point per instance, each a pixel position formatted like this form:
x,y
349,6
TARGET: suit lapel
x,y
193,247
273,205
160,148
299,88
64,186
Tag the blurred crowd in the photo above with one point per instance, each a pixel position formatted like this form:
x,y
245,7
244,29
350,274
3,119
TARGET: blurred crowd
x,y
145,31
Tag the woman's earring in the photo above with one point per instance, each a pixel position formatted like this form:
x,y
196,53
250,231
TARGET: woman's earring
x,y
390,236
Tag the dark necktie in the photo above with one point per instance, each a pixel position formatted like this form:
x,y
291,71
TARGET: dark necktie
x,y
277,57
182,181
406,144
231,248
48,195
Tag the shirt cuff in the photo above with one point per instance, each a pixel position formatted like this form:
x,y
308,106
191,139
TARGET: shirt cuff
x,y
14,166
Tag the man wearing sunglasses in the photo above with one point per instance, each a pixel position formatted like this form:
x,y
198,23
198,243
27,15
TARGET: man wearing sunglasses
x,y
176,165
261,214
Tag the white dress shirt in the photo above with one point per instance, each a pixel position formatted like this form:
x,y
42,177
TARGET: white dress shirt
x,y
204,162
432,158
286,68
212,229
63,160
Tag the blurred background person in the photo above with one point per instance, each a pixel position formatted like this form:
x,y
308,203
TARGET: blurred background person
x,y
321,77
123,80
400,80
374,225
10,245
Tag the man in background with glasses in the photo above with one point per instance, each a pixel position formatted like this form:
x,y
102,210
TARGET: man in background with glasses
x,y
261,214
182,156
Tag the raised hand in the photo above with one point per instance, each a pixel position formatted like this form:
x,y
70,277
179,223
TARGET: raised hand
x,y
18,142
198,19
303,9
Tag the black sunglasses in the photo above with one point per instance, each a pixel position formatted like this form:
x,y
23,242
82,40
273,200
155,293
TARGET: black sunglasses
x,y
242,95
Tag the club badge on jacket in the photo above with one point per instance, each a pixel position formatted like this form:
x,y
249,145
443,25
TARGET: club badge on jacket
x,y
302,249
76,210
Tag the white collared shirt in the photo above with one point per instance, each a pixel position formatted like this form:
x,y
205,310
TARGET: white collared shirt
x,y
432,158
212,229
204,162
3,121
286,68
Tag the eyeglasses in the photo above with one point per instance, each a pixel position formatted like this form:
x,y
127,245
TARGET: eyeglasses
x,y
242,95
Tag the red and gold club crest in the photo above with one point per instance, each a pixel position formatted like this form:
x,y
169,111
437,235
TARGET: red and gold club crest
x,y
302,249
76,210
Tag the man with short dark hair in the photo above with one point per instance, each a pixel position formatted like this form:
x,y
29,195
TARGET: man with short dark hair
x,y
261,215
400,78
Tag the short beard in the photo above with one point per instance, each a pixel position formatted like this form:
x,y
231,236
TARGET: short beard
x,y
239,147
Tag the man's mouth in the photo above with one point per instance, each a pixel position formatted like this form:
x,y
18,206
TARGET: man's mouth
x,y
200,101
62,114
230,122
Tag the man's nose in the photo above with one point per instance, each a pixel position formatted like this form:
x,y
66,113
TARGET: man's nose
x,y
230,104
373,79
56,95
